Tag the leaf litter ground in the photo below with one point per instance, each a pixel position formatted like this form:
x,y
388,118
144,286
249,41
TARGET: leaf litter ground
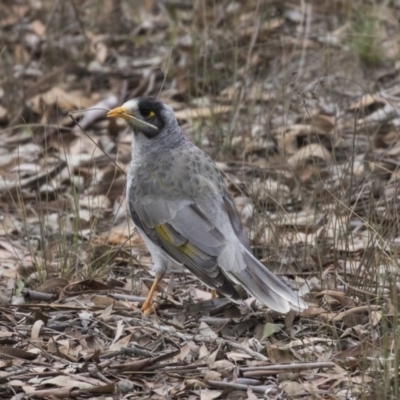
x,y
305,128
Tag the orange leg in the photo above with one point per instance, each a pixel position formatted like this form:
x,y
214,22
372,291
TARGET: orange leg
x,y
146,307
214,294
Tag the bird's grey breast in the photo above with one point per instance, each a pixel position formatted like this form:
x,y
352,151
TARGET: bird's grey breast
x,y
183,172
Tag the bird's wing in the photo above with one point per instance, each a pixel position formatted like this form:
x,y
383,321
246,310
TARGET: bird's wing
x,y
186,234
216,255
235,220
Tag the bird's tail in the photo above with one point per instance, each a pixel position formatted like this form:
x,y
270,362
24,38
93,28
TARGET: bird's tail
x,y
266,287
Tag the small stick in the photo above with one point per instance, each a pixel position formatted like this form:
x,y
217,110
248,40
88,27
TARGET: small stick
x,y
238,386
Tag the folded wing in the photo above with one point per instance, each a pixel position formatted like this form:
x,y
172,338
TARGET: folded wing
x,y
218,255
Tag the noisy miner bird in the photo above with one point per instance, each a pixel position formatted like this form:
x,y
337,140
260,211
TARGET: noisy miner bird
x,y
182,209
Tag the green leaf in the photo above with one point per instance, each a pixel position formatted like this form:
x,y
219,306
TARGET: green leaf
x,y
20,286
270,329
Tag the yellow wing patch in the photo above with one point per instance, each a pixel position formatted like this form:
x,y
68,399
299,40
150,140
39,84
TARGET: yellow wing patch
x,y
186,248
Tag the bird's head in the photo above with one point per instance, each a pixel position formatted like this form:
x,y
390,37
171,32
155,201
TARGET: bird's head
x,y
145,115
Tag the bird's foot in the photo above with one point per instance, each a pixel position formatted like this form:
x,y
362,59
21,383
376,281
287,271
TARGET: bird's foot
x,y
147,308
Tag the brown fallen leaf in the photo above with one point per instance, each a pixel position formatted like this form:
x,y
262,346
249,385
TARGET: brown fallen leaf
x,y
124,342
306,153
292,388
207,394
366,101
67,101
11,352
202,112
67,382
54,285
322,123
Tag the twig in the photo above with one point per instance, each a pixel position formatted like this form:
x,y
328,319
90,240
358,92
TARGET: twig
x,y
77,14
176,368
308,11
354,288
128,351
90,138
95,372
12,374
126,297
33,295
249,381
333,317
65,307
219,341
141,364
38,179
251,372
238,386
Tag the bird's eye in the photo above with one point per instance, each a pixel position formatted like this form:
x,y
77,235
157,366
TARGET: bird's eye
x,y
148,114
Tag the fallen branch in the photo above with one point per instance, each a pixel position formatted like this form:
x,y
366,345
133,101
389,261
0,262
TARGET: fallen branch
x,y
254,372
263,389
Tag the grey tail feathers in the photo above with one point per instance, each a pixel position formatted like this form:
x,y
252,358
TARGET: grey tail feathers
x,y
228,289
266,287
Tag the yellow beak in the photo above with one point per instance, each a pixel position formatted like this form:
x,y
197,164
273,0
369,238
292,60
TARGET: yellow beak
x,y
120,112
123,112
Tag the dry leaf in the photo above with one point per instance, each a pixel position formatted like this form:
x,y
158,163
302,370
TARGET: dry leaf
x,y
67,101
366,101
184,351
202,112
292,388
309,152
67,381
124,342
207,394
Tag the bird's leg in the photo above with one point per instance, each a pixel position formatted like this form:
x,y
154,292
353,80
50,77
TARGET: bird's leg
x,y
146,307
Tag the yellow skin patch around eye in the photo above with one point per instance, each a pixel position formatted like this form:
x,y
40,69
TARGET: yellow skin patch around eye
x,y
151,114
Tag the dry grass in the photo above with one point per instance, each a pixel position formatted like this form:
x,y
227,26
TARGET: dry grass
x,y
299,104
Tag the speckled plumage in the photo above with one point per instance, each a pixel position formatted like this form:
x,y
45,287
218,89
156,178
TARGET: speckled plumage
x,y
179,202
